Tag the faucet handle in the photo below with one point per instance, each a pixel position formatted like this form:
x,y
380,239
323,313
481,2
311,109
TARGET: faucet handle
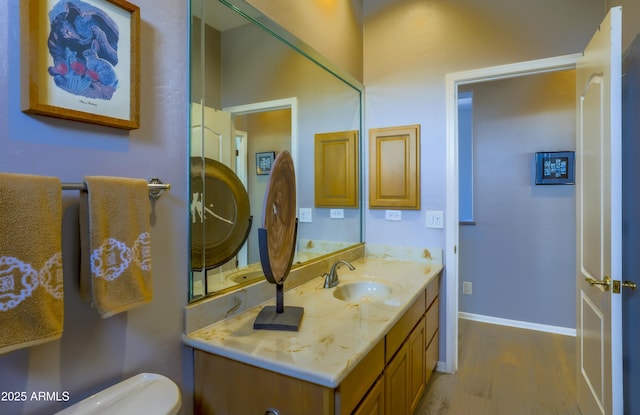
x,y
330,280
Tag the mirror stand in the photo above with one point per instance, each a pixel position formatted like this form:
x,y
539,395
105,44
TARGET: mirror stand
x,y
277,317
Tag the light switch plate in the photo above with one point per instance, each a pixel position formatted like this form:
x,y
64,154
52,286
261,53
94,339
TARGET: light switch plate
x,y
305,215
336,213
393,215
435,219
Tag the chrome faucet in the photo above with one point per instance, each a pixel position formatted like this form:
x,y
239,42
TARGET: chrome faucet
x,y
331,279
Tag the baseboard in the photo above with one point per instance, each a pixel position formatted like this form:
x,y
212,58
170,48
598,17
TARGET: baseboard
x,y
565,331
441,367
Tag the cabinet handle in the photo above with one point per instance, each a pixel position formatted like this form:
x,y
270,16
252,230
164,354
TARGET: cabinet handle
x,y
272,411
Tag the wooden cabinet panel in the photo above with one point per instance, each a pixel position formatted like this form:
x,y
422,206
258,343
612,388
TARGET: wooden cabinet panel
x,y
336,170
431,356
416,346
433,290
356,384
394,167
223,386
396,383
373,403
399,332
432,317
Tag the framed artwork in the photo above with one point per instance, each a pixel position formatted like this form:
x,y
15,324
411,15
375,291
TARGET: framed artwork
x,y
264,161
555,167
81,61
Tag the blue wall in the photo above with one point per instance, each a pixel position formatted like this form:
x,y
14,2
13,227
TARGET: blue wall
x,y
520,254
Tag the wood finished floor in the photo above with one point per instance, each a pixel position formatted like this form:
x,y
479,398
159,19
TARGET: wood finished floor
x,y
505,371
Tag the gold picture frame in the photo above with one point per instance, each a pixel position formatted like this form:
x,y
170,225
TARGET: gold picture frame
x,y
81,61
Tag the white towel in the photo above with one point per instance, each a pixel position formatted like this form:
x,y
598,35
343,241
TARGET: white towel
x,y
115,272
31,284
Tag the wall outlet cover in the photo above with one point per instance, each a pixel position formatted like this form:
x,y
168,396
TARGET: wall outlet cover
x,y
393,215
336,213
304,215
467,288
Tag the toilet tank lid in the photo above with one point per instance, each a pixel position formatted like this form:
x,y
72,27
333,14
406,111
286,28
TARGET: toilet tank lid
x,y
143,393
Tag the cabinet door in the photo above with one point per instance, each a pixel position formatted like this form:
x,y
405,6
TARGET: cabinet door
x,y
396,383
373,403
431,357
336,169
417,378
394,167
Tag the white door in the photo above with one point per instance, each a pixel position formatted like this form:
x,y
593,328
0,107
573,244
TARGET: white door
x,y
242,172
213,138
599,220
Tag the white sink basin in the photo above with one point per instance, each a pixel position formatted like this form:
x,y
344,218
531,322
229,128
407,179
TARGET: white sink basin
x,y
362,291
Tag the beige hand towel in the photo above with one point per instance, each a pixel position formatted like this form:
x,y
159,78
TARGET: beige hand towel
x,y
31,286
115,271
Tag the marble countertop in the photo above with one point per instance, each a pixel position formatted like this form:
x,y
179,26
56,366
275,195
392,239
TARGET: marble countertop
x,y
334,335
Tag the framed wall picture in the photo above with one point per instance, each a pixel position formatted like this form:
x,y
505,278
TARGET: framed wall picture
x,y
555,167
264,161
81,61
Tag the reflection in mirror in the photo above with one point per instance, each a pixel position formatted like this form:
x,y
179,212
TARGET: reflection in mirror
x,y
255,94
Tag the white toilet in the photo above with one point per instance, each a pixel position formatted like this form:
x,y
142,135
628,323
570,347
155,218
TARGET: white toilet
x,y
146,393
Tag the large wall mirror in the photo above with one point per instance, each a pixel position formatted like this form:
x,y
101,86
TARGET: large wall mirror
x,y
257,91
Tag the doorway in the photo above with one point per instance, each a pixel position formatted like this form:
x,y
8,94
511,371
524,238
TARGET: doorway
x,y
269,126
453,83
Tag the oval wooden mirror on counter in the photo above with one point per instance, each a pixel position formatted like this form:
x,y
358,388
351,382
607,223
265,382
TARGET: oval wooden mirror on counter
x,y
256,91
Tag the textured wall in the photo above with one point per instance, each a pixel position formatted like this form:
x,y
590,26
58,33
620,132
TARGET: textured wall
x,y
331,27
94,353
409,47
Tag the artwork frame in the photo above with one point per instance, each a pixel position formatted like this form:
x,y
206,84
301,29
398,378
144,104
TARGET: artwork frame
x,y
264,162
93,76
555,168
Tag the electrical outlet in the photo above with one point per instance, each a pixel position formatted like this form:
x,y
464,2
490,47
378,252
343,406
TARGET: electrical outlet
x,y
393,215
305,215
467,288
336,213
434,219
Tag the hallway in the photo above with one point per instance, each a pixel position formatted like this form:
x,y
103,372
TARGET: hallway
x,y
505,371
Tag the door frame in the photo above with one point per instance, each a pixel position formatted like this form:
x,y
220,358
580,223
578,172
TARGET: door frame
x,y
452,81
277,104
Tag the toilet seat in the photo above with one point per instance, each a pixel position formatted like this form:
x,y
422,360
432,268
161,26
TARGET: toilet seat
x,y
145,393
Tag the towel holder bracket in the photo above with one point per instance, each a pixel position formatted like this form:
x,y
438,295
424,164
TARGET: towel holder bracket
x,y
156,187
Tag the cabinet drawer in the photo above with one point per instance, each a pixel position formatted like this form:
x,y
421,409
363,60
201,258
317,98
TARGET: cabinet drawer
x,y
431,355
356,384
397,335
432,320
373,403
433,289
223,386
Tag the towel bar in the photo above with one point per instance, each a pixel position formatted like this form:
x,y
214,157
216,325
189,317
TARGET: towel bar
x,y
156,187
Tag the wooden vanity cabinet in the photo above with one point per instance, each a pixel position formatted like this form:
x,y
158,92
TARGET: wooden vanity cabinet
x,y
225,386
389,380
